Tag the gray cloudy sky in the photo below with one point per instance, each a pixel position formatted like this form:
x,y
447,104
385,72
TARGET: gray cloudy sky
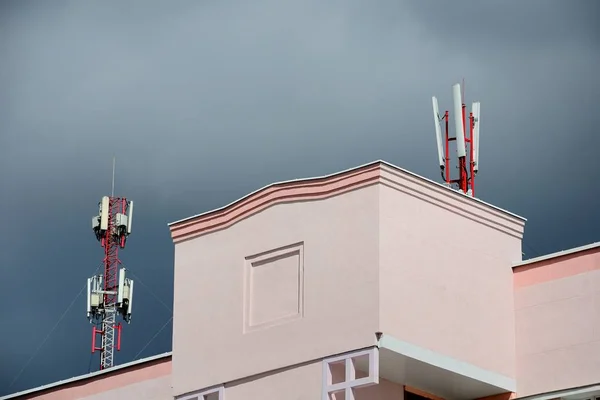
x,y
204,101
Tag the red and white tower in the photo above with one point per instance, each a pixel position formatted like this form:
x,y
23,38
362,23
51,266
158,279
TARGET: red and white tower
x,y
468,166
110,293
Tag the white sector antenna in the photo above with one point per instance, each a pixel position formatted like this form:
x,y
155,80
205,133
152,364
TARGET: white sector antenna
x,y
121,288
130,300
476,116
105,211
438,131
458,123
89,295
129,217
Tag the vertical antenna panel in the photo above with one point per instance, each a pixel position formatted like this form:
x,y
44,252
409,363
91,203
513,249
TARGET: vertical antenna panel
x,y
476,115
438,131
460,131
130,298
129,217
121,285
105,207
89,295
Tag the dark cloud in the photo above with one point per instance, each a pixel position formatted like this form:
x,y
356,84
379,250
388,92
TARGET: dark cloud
x,y
202,102
499,26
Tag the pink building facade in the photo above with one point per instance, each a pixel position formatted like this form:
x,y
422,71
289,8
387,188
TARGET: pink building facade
x,y
347,287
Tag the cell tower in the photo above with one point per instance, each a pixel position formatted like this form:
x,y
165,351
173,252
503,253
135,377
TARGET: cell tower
x,y
111,292
468,167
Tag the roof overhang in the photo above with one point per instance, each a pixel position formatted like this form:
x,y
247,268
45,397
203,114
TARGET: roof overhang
x,y
407,364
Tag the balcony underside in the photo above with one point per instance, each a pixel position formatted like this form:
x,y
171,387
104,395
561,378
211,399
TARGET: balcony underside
x,y
442,376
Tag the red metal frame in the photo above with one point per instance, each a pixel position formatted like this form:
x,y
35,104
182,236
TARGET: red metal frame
x,y
466,179
111,244
96,331
471,146
447,160
119,327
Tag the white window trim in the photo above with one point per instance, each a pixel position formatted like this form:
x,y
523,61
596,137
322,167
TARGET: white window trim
x,y
350,382
199,395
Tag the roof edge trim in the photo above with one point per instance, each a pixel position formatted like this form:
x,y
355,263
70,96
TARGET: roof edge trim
x,y
582,391
87,376
270,185
557,254
445,187
174,224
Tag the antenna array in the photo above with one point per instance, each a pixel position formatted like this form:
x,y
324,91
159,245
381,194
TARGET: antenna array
x,y
111,293
468,167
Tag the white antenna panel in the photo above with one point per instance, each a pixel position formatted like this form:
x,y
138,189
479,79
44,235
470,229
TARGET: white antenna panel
x,y
476,109
129,217
458,123
130,300
438,131
121,285
89,295
104,213
94,298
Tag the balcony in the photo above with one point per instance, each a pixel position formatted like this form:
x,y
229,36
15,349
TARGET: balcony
x,y
357,375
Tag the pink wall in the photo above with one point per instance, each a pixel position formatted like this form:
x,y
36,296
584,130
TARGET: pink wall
x,y
299,382
232,302
445,273
307,269
150,380
558,323
152,389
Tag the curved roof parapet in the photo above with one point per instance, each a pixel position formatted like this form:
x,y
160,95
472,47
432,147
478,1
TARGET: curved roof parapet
x,y
318,188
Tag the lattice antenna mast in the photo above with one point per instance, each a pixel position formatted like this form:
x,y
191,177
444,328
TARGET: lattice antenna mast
x,y
468,164
111,293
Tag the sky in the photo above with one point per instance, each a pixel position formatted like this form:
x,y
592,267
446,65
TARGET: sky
x,y
202,102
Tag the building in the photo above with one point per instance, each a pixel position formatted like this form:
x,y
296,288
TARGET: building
x,y
375,283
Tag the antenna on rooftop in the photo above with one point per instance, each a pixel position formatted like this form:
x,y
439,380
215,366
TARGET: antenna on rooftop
x,y
111,292
468,164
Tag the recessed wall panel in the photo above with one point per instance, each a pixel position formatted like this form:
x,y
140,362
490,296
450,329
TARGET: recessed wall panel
x,y
274,283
